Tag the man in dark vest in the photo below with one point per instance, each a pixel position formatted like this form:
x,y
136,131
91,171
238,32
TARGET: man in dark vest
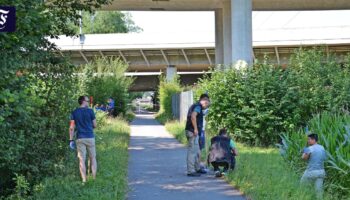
x,y
222,153
194,124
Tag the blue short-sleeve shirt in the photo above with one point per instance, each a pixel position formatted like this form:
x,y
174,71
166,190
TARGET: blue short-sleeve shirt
x,y
317,157
83,119
197,109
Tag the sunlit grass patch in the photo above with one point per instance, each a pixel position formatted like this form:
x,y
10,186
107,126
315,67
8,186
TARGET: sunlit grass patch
x,y
112,157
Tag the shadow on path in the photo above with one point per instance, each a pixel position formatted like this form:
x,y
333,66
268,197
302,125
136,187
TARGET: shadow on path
x,y
157,168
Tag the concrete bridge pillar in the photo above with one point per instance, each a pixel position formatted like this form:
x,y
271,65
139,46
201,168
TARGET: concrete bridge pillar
x,y
234,33
171,72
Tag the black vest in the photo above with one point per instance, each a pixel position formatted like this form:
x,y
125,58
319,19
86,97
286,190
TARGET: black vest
x,y
220,150
189,126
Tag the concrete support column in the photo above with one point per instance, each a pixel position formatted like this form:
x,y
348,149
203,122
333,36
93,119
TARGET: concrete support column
x,y
219,37
227,32
170,73
237,33
242,33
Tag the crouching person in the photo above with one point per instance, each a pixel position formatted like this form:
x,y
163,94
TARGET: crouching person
x,y
222,153
315,154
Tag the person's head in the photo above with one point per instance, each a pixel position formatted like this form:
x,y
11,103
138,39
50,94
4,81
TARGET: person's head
x,y
83,101
223,132
312,138
204,100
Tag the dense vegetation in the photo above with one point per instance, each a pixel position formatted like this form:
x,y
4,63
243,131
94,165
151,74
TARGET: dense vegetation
x,y
334,135
166,90
38,90
104,78
112,157
259,103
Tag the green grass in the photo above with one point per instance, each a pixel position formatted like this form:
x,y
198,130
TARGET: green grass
x,y
163,118
261,173
111,182
177,129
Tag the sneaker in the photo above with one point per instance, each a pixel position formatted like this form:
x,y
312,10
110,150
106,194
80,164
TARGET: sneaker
x,y
194,174
218,174
202,171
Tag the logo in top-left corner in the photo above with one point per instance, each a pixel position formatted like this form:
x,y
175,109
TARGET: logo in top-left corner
x,y
7,18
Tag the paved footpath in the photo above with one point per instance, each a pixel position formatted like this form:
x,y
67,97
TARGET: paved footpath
x,y
157,168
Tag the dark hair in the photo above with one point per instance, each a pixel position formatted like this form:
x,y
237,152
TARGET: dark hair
x,y
81,99
223,131
204,96
313,136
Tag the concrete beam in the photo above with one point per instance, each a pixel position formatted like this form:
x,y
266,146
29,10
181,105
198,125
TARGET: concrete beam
x,y
84,57
258,5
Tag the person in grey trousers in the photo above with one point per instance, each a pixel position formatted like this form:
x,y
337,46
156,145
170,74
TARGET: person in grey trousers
x,y
194,124
315,174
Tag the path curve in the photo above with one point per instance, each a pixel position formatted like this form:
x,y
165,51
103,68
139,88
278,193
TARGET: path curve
x,y
157,168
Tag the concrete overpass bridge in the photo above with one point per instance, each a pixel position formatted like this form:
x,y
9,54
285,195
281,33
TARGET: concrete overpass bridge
x,y
191,54
233,19
232,41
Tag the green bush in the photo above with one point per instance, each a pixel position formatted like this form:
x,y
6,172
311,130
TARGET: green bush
x,y
166,90
129,116
258,103
334,135
101,118
104,78
36,91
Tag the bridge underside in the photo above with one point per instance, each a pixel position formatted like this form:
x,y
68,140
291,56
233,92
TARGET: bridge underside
x,y
259,5
151,82
194,59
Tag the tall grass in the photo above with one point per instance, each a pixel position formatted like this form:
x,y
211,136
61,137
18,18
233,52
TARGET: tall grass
x,y
111,182
334,135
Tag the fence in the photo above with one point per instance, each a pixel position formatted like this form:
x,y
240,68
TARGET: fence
x,y
180,104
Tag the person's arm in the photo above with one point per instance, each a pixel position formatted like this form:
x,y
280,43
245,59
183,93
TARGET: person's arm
x,y
94,123
194,122
306,156
306,153
233,148
71,130
93,118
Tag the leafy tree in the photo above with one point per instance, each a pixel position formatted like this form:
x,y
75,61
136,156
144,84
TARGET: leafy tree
x,y
36,90
104,78
108,22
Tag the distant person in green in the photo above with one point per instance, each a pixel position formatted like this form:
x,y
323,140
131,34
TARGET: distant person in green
x,y
84,121
315,154
222,153
194,124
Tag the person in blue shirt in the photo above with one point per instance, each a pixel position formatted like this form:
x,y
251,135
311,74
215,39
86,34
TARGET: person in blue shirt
x,y
84,121
111,106
316,155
